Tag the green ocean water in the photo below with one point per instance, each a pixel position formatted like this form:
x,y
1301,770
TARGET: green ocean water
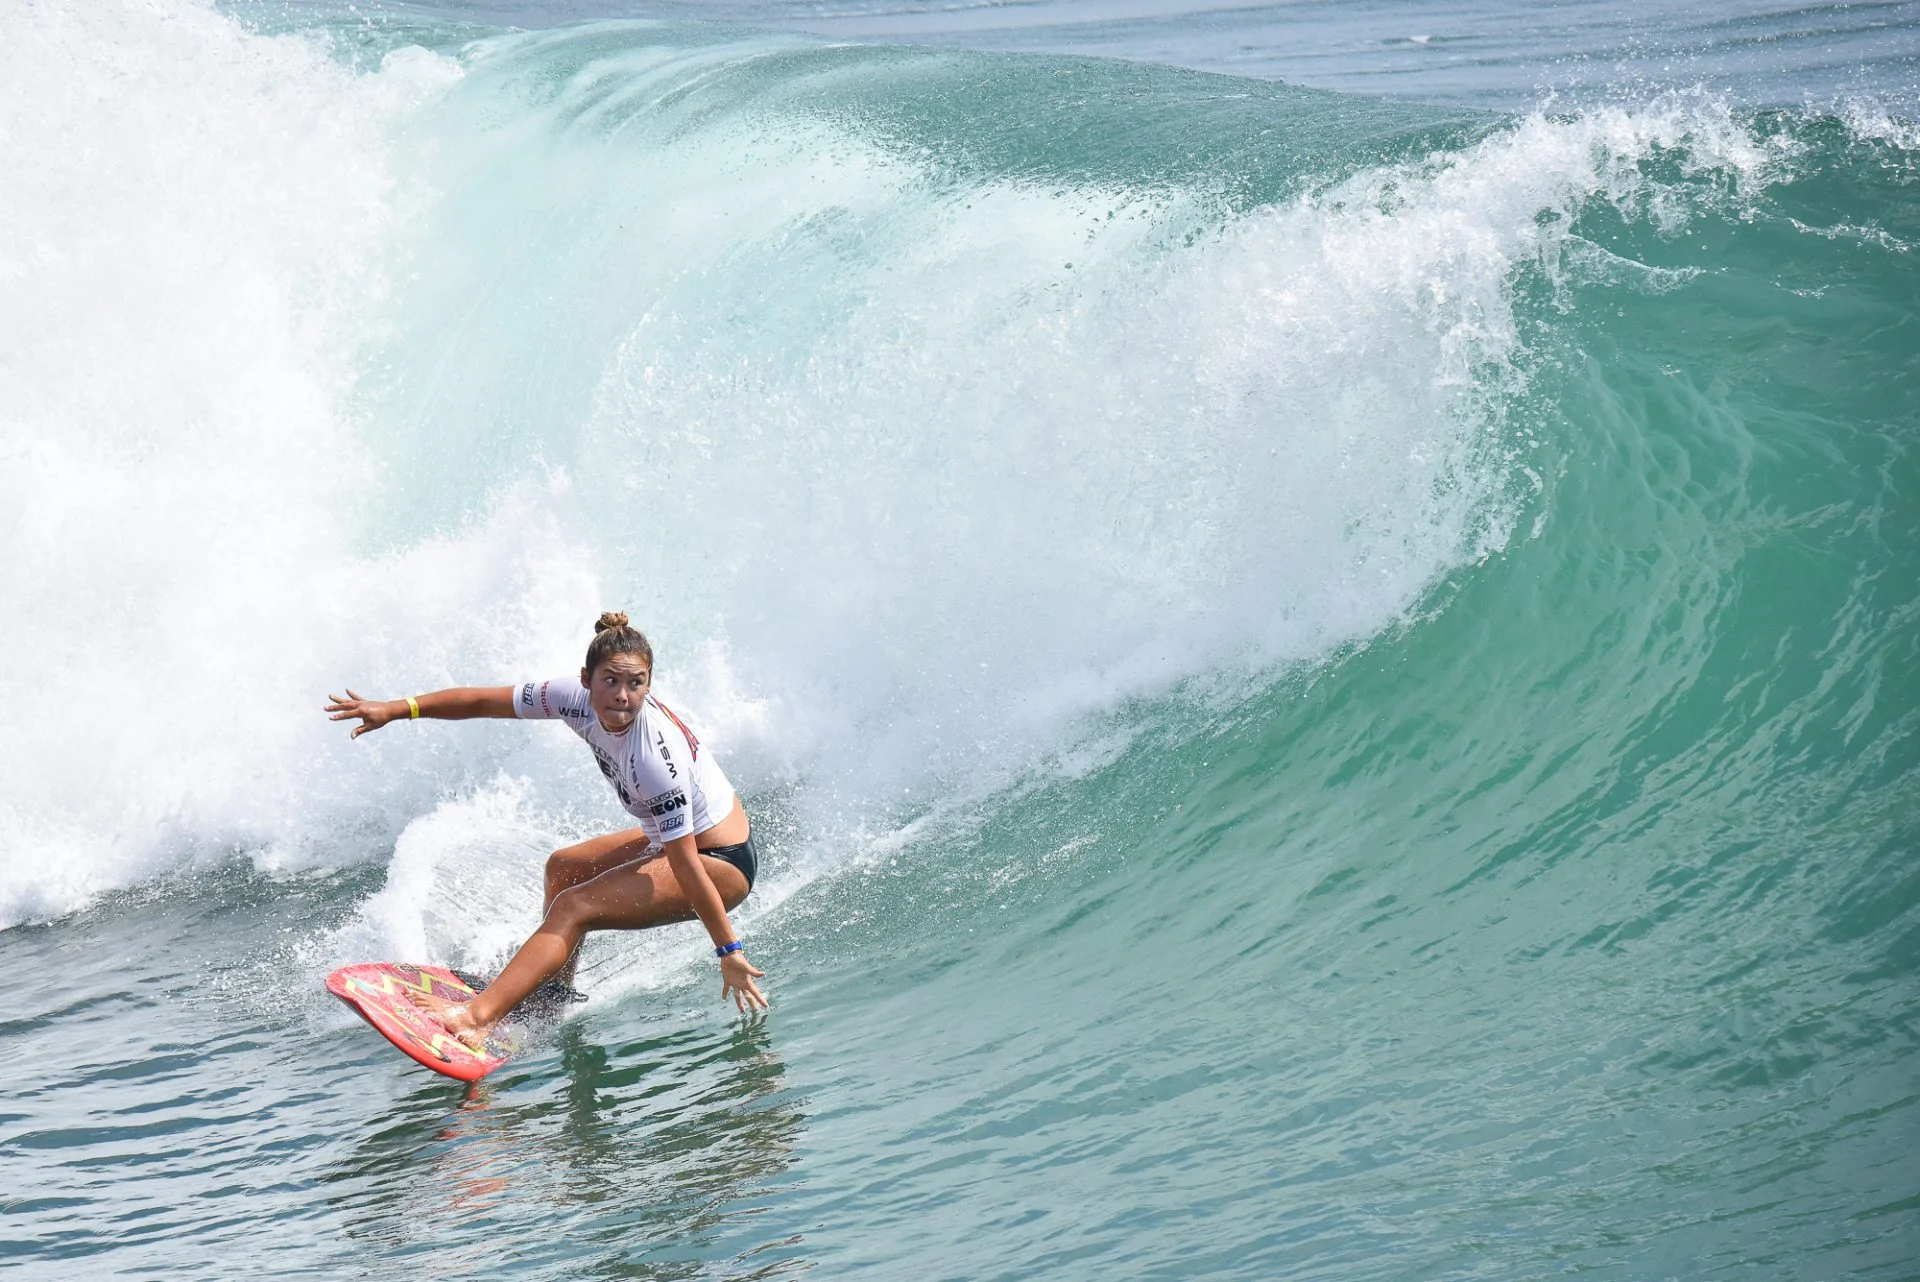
x,y
1328,684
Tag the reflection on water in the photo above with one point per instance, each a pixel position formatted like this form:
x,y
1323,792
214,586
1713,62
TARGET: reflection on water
x,y
640,1160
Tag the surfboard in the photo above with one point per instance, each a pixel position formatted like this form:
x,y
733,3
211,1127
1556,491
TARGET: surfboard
x,y
378,991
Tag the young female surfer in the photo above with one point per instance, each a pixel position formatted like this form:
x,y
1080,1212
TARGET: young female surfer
x,y
692,855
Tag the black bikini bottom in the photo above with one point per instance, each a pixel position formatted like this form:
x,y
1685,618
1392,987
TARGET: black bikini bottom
x,y
741,856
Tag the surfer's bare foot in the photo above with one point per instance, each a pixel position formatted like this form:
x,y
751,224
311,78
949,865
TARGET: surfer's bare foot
x,y
455,1017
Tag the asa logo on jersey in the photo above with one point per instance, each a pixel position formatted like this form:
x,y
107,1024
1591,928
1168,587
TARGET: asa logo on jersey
x,y
666,803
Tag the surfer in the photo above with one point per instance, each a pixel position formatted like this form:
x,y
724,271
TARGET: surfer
x,y
692,855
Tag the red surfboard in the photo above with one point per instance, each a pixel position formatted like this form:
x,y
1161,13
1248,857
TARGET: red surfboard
x,y
378,991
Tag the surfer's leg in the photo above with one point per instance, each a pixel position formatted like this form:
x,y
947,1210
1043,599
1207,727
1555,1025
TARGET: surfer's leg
x,y
572,865
633,896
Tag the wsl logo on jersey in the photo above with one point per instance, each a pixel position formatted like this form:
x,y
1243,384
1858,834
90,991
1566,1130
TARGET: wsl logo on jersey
x,y
660,746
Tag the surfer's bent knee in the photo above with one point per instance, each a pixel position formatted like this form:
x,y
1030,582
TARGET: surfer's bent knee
x,y
569,912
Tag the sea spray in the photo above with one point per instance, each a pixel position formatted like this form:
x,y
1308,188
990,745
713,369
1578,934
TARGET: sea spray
x,y
204,222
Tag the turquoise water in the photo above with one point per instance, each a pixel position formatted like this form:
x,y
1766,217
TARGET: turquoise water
x,y
1328,682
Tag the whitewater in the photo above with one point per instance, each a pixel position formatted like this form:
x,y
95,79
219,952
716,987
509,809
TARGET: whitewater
x,y
1321,635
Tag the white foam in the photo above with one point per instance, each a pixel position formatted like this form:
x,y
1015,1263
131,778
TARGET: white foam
x,y
197,221
1869,120
458,887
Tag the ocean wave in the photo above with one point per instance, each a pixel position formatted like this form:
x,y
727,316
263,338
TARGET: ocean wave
x,y
923,474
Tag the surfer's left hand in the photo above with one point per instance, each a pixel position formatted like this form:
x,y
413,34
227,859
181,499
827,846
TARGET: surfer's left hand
x,y
736,981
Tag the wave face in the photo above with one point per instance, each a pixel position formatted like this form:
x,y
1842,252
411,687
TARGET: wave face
x,y
1330,686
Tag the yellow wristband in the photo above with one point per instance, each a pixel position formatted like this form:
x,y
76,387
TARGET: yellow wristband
x,y
413,708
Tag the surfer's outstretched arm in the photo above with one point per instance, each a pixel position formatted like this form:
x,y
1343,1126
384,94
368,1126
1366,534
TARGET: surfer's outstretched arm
x,y
462,703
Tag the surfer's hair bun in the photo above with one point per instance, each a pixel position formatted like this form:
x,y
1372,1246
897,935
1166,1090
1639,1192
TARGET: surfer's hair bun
x,y
614,635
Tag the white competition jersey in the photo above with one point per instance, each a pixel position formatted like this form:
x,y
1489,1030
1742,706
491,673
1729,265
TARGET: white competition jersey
x,y
655,764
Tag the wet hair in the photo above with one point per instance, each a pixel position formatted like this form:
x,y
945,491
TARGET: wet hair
x,y
614,635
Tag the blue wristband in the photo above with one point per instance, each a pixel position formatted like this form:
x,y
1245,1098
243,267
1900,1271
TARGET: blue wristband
x,y
724,949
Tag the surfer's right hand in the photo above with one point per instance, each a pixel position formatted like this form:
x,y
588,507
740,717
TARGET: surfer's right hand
x,y
373,713
736,981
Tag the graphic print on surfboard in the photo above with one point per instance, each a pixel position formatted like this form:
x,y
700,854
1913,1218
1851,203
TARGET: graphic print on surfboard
x,y
378,991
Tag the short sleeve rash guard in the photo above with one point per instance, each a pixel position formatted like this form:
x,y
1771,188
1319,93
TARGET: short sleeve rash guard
x,y
656,765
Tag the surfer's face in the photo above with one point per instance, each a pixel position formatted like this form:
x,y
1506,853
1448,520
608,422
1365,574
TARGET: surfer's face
x,y
616,689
